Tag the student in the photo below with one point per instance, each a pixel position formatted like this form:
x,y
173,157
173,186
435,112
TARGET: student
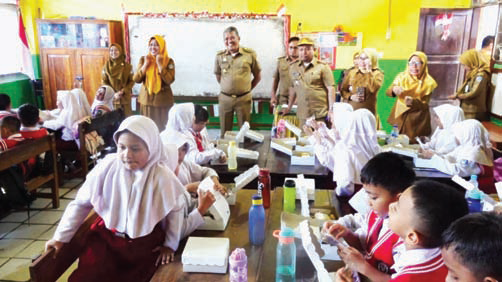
x,y
103,102
442,140
9,132
472,248
202,151
5,106
29,116
384,177
354,150
324,140
139,203
472,155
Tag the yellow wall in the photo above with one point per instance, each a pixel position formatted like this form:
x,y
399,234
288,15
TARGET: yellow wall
x,y
366,16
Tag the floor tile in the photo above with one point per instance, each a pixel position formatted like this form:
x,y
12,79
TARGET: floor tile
x,y
6,227
47,235
46,217
71,195
3,260
68,272
28,231
16,270
20,216
32,251
63,203
62,191
10,247
72,183
41,203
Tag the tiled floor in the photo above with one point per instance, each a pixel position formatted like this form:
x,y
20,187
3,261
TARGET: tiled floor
x,y
23,239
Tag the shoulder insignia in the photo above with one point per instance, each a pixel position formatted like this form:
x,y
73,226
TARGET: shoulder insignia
x,y
171,66
249,50
479,78
221,52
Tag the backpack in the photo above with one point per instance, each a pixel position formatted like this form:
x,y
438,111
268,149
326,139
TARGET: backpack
x,y
13,192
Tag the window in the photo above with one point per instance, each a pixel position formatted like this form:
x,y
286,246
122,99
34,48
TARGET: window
x,y
11,52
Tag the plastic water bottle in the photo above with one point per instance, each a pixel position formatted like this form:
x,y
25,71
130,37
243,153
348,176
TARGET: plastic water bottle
x,y
474,196
232,155
238,266
394,134
285,270
256,221
289,204
264,186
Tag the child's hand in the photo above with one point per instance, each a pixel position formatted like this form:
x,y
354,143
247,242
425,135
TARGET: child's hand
x,y
426,154
308,130
206,200
53,244
352,258
218,187
408,100
166,255
344,274
192,187
223,158
335,229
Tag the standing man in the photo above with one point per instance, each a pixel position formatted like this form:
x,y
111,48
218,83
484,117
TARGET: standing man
x,y
487,48
281,74
312,84
233,68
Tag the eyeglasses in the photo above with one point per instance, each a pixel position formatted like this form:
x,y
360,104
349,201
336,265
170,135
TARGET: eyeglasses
x,y
416,64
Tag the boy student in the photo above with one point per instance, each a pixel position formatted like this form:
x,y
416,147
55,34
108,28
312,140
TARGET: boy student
x,y
10,136
5,106
472,248
202,151
384,177
29,116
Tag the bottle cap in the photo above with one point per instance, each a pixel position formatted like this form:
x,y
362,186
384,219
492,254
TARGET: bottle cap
x,y
231,143
257,200
264,171
474,194
285,235
290,183
474,177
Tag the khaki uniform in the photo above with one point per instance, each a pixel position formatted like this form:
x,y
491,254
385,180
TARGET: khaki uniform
x,y
156,106
235,85
311,87
124,81
281,74
473,96
371,82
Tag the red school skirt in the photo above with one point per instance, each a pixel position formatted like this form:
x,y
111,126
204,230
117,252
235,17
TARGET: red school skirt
x,y
110,257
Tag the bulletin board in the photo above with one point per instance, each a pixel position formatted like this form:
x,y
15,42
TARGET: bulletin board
x,y
193,39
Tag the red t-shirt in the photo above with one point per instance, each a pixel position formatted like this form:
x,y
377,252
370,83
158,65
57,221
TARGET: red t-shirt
x,y
34,134
379,250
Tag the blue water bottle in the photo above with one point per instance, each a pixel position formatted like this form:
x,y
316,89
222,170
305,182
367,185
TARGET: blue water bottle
x,y
394,134
474,196
257,221
286,255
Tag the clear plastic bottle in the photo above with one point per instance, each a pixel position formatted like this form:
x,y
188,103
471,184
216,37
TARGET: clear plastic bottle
x,y
232,155
285,270
256,221
238,266
394,134
474,196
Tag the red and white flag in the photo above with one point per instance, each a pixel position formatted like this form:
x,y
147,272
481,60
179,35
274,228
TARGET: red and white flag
x,y
27,66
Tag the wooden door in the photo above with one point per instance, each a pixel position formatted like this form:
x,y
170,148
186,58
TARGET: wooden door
x,y
58,67
443,53
89,65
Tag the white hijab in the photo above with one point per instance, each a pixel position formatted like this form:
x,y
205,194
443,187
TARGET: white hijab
x,y
180,119
83,104
134,202
474,143
449,114
356,147
107,99
443,141
342,114
69,114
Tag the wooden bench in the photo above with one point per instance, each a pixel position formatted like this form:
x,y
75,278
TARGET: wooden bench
x,y
29,149
495,134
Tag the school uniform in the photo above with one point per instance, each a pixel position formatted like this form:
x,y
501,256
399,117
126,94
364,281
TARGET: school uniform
x,y
137,211
201,150
371,82
442,140
418,265
99,108
10,141
7,113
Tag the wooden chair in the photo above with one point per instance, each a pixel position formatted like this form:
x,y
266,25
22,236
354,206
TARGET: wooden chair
x,y
27,150
495,132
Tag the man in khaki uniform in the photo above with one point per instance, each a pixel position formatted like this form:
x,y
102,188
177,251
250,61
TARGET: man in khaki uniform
x,y
312,84
233,68
281,84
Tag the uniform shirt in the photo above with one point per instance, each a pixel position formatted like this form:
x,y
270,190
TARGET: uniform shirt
x,y
33,132
370,81
164,97
311,84
473,95
418,265
281,74
10,141
209,154
235,70
7,113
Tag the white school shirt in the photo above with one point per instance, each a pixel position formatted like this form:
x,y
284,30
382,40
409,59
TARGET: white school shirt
x,y
442,142
404,257
209,154
358,224
463,168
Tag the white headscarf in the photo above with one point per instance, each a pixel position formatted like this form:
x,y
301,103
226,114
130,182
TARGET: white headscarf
x,y
449,114
134,202
474,143
443,140
180,120
70,113
107,99
84,109
355,148
342,114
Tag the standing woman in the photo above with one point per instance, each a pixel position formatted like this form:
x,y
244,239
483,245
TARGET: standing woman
x,y
117,73
361,86
413,89
156,72
473,93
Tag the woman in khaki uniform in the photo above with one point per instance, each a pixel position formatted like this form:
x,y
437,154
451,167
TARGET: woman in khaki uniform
x,y
156,73
361,86
117,73
413,89
474,92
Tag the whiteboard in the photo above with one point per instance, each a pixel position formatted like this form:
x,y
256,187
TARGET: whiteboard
x,y
193,43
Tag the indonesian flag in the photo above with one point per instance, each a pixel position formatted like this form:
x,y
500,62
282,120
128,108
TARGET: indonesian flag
x,y
27,66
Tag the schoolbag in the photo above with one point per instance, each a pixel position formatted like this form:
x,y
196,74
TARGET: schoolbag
x,y
13,192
